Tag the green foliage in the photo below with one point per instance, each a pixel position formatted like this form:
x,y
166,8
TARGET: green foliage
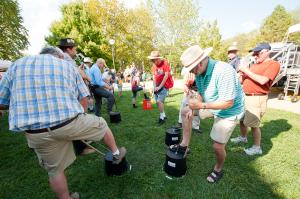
x,y
177,23
245,41
276,25
92,23
210,37
77,23
273,175
296,19
13,35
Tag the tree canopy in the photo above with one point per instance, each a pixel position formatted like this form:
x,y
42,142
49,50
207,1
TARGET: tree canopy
x,y
13,35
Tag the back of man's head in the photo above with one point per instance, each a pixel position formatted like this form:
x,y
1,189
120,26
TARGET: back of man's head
x,y
51,50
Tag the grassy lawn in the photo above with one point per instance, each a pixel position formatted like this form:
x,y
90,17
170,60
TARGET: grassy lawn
x,y
275,174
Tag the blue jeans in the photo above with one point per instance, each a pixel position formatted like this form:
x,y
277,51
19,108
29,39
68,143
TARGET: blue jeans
x,y
100,92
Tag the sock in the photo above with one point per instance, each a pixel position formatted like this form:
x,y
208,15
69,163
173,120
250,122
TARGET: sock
x,y
256,147
161,116
117,152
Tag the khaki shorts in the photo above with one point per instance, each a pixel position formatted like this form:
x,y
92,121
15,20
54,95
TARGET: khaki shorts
x,y
222,129
255,108
55,148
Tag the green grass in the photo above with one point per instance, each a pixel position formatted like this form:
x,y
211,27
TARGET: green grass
x,y
275,174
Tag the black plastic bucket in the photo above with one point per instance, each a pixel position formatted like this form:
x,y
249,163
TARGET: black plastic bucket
x,y
115,169
173,136
175,164
115,117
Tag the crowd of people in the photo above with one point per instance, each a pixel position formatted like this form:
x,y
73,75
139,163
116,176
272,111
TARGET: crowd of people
x,y
49,98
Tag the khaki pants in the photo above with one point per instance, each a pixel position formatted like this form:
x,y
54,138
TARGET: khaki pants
x,y
255,108
55,149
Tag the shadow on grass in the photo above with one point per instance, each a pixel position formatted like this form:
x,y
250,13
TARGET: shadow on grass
x,y
144,140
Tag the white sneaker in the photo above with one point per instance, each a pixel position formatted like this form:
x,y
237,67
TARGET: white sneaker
x,y
239,139
254,150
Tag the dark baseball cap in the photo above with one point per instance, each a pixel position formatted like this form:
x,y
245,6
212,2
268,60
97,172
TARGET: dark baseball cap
x,y
66,42
260,47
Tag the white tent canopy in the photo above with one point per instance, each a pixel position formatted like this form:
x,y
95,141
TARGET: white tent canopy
x,y
294,28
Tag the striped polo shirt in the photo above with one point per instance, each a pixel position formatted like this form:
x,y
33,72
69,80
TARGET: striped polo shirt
x,y
220,83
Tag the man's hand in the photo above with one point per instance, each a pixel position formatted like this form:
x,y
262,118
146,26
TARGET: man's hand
x,y
195,103
157,88
244,69
189,114
189,79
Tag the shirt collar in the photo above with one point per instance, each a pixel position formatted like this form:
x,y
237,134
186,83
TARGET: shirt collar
x,y
210,67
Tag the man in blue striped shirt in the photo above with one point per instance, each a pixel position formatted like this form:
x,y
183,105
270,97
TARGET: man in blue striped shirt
x,y
47,99
220,92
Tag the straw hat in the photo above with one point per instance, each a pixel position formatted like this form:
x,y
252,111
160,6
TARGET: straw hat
x,y
192,56
154,55
233,48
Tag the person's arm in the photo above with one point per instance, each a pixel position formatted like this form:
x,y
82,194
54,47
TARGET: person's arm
x,y
84,103
195,104
84,76
258,78
163,81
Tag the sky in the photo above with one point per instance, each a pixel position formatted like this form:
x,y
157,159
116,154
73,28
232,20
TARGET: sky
x,y
233,16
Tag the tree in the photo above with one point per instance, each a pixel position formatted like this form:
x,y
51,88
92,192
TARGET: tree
x,y
276,25
13,35
177,24
78,24
92,23
210,36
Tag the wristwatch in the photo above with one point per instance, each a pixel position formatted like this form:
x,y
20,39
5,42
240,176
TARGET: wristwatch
x,y
203,105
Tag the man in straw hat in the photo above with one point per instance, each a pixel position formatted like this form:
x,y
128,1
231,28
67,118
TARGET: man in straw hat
x,y
161,74
257,81
219,90
233,57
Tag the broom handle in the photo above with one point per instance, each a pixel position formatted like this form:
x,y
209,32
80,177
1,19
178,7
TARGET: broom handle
x,y
93,147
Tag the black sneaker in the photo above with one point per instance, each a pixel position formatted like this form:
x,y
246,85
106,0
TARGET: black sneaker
x,y
118,158
178,126
183,150
161,121
197,130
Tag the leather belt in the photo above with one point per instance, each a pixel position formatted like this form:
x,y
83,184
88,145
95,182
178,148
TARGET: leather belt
x,y
52,128
255,94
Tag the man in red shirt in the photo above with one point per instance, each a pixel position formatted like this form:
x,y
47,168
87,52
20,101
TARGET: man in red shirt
x,y
257,81
161,72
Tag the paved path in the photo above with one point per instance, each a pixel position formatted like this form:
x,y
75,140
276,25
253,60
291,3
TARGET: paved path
x,y
273,102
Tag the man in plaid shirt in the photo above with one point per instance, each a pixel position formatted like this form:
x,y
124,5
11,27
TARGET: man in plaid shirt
x,y
47,99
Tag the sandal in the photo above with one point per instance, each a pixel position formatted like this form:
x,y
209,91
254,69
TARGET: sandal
x,y
214,176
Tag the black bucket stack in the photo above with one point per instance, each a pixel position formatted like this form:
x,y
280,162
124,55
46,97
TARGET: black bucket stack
x,y
173,136
115,169
175,163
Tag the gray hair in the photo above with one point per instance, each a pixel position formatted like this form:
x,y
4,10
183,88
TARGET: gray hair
x,y
52,50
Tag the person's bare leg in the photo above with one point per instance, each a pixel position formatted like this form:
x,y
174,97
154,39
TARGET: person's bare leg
x,y
220,153
186,126
160,106
109,141
256,135
243,129
59,185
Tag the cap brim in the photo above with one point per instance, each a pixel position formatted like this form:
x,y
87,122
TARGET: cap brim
x,y
185,70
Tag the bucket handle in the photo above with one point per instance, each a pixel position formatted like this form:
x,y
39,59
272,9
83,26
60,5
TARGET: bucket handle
x,y
93,147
